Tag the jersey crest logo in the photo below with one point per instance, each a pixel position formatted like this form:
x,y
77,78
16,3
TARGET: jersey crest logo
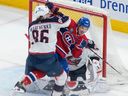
x,y
68,38
60,20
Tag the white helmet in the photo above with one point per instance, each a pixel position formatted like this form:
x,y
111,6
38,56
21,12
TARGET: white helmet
x,y
41,10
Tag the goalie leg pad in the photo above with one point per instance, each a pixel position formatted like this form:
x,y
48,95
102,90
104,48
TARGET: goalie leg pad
x,y
81,72
94,68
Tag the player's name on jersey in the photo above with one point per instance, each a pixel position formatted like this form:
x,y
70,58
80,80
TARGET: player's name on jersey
x,y
40,27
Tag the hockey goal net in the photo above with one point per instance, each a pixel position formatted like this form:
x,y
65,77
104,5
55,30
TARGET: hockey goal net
x,y
100,32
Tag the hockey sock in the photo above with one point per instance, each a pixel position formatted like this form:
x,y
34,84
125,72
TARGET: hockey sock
x,y
32,76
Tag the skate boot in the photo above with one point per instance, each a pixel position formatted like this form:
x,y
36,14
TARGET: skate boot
x,y
19,87
50,85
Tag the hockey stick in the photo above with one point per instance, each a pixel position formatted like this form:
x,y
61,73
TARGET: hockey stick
x,y
26,35
105,61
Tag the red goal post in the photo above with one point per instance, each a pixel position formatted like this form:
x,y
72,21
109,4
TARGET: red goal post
x,y
84,9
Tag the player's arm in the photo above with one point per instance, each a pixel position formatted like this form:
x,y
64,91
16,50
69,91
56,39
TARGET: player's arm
x,y
90,43
62,19
54,9
78,47
61,48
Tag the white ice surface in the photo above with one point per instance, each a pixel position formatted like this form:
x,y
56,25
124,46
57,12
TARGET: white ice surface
x,y
13,51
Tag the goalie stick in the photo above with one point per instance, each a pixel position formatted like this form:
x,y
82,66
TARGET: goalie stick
x,y
105,61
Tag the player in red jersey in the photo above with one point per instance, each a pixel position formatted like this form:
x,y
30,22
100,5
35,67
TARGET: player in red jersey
x,y
74,41
68,39
81,57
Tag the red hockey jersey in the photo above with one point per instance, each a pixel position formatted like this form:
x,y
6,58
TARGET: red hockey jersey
x,y
69,41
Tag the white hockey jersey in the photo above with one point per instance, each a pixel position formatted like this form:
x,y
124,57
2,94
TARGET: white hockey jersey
x,y
80,61
43,34
77,63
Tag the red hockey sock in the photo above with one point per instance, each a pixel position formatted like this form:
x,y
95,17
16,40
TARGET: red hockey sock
x,y
26,81
33,76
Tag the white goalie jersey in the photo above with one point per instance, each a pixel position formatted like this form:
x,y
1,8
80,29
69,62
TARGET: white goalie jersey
x,y
76,63
89,59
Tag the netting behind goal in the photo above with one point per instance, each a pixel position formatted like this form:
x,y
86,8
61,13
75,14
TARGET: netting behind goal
x,y
100,32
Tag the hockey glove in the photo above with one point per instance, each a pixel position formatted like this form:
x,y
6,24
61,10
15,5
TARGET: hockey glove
x,y
49,5
91,44
83,44
52,8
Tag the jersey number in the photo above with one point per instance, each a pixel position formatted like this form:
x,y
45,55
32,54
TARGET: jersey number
x,y
40,36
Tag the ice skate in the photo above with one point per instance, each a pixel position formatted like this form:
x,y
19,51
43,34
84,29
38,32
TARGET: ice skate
x,y
19,87
50,85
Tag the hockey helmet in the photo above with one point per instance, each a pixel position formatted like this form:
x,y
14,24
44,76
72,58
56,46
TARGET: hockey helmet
x,y
85,22
41,10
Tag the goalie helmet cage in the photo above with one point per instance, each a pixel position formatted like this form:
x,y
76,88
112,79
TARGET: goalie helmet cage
x,y
89,10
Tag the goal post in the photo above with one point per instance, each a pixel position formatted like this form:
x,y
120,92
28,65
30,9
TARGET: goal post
x,y
75,11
